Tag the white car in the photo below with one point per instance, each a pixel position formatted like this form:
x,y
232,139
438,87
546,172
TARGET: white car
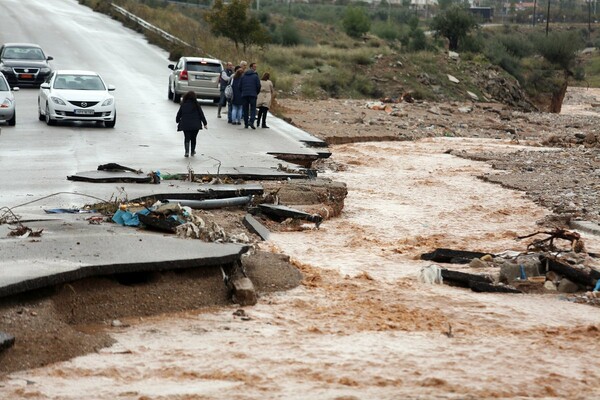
x,y
70,95
7,102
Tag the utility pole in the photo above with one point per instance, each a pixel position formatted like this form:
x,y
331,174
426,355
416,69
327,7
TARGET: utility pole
x,y
534,5
548,18
589,19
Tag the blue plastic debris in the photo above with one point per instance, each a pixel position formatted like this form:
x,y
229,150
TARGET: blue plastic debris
x,y
597,288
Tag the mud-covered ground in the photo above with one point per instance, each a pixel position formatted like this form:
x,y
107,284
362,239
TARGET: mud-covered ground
x,y
360,325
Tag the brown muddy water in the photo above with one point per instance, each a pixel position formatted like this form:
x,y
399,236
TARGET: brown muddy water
x,y
361,326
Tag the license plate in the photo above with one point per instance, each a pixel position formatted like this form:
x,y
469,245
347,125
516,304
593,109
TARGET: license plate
x,y
26,76
203,78
84,112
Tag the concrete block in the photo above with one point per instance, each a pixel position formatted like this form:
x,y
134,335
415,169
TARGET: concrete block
x,y
243,292
566,286
510,272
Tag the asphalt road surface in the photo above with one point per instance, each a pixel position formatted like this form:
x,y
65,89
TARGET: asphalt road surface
x,y
35,159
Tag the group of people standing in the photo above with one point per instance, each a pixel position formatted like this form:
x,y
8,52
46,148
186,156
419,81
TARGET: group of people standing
x,y
248,93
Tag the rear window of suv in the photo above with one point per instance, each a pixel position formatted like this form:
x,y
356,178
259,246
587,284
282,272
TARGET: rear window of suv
x,y
23,53
197,66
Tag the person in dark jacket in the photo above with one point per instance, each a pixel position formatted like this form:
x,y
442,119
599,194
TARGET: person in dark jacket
x,y
250,89
190,119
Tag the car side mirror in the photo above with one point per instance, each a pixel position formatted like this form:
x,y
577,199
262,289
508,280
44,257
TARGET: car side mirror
x,y
172,66
49,58
45,85
111,88
15,89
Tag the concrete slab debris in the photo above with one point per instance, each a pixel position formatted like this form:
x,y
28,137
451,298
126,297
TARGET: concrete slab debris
x,y
443,255
243,292
280,213
585,226
212,203
462,279
256,227
208,191
76,250
110,176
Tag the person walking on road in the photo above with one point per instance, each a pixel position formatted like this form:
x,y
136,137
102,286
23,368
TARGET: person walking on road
x,y
190,119
250,83
264,99
223,82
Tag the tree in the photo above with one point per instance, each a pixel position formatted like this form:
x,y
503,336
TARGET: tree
x,y
356,22
560,49
454,24
235,22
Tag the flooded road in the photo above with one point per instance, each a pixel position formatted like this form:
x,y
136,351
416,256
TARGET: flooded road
x,y
361,326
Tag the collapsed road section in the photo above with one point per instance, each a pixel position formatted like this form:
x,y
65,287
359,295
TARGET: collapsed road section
x,y
72,250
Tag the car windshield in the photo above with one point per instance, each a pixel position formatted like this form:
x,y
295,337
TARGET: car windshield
x,y
23,53
78,82
197,66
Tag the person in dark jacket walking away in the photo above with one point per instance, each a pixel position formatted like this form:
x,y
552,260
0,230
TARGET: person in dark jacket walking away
x,y
190,119
250,84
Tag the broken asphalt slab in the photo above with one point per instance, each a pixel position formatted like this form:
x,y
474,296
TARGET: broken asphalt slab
x,y
72,249
281,212
246,173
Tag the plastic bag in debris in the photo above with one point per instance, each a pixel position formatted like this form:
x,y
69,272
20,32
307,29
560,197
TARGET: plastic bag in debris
x,y
128,218
431,274
597,288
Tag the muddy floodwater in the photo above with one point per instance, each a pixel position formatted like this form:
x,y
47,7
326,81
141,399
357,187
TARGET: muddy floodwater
x,y
361,326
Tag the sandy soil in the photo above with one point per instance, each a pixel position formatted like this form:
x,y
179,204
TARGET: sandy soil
x,y
360,326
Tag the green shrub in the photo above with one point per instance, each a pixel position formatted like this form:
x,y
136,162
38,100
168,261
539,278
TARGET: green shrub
x,y
499,55
418,40
386,30
356,22
516,44
284,82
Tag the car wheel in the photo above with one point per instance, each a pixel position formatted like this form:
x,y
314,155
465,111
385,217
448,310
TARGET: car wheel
x,y
41,116
176,97
49,120
13,120
111,124
170,94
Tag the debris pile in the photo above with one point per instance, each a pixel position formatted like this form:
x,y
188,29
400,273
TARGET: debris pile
x,y
543,268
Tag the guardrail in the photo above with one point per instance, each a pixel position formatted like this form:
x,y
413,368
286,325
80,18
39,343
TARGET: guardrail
x,y
150,27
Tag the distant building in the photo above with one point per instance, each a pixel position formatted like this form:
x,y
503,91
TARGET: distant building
x,y
485,14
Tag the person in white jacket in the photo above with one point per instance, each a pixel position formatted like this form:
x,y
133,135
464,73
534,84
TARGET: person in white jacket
x,y
264,99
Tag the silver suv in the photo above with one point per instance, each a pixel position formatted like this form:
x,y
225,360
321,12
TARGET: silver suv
x,y
198,74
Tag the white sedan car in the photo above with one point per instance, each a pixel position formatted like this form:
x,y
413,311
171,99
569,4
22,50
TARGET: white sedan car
x,y
7,102
69,95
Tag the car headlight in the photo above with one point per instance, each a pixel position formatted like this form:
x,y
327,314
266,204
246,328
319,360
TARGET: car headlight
x,y
45,70
107,102
4,68
6,103
57,100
